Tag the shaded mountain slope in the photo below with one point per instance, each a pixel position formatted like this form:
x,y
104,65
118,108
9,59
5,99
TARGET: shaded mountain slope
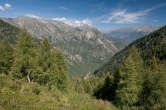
x,y
8,31
152,45
136,76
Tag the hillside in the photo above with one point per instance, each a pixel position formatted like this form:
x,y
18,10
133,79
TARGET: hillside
x,y
81,45
34,76
152,45
8,31
120,43
136,75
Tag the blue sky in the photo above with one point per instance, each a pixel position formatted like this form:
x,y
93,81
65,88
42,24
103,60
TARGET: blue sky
x,y
102,14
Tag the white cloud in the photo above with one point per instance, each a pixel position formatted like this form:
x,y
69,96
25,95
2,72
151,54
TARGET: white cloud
x,y
75,23
33,16
124,17
7,5
2,8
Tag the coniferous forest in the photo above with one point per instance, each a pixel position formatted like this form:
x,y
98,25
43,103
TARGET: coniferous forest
x,y
34,75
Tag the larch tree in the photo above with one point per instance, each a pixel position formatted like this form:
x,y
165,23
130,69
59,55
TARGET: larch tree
x,y
130,81
25,55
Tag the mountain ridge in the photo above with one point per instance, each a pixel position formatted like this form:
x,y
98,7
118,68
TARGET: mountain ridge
x,y
130,34
148,46
81,45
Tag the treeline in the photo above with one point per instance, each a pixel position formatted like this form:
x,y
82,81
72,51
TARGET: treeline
x,y
136,85
135,78
34,62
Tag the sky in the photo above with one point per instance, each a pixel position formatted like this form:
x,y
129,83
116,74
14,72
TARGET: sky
x,y
102,14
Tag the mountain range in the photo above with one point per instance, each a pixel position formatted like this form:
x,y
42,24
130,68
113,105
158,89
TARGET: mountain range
x,y
85,48
130,34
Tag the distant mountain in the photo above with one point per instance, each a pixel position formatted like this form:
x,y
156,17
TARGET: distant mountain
x,y
85,47
130,34
151,47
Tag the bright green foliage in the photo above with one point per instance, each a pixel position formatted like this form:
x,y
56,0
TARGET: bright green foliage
x,y
42,71
6,56
24,62
62,71
19,95
51,68
130,81
45,69
39,63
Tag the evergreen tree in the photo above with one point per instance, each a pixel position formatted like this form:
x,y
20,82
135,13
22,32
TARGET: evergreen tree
x,y
6,56
62,76
108,89
153,93
130,81
51,67
42,71
24,61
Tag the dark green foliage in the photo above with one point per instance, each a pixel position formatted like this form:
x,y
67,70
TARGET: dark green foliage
x,y
43,63
24,61
140,74
130,80
6,56
149,46
108,90
153,93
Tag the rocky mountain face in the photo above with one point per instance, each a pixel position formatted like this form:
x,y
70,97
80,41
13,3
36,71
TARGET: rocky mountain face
x,y
130,34
85,47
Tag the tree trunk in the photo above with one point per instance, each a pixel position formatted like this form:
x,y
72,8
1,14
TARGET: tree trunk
x,y
28,78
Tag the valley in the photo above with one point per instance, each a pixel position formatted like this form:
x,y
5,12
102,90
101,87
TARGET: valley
x,y
80,45
68,64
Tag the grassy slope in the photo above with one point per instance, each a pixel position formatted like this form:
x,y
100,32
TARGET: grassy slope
x,y
17,94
